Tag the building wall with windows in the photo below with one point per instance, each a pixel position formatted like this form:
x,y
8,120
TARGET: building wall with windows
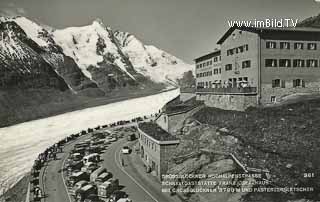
x,y
156,153
208,70
267,63
240,59
288,67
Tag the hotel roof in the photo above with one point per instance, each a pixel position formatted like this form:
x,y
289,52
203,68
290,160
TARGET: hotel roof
x,y
208,56
261,30
156,132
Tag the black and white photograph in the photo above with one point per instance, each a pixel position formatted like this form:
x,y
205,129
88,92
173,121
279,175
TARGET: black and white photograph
x,y
159,100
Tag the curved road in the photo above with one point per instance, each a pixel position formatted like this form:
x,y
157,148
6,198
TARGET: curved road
x,y
137,189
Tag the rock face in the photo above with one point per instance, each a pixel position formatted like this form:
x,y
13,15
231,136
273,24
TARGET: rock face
x,y
21,63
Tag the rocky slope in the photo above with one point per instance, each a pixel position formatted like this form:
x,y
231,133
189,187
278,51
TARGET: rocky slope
x,y
310,22
281,143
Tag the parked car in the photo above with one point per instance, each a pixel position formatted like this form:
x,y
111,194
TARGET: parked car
x,y
96,173
107,188
73,166
78,186
89,167
95,158
116,195
85,192
103,177
131,137
126,150
77,177
76,156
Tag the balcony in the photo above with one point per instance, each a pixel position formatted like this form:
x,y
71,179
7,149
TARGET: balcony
x,y
229,90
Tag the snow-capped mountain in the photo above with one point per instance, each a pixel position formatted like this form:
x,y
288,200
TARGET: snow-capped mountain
x,y
150,61
20,61
88,57
42,52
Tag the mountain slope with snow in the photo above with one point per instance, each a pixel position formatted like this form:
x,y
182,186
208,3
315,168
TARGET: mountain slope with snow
x,y
150,61
89,45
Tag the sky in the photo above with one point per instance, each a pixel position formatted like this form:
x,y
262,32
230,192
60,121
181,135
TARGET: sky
x,y
184,28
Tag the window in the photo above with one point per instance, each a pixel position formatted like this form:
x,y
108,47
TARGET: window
x,y
283,83
273,99
200,65
275,83
220,58
312,63
284,45
246,64
284,63
271,44
241,48
230,52
228,67
298,63
215,59
210,62
246,47
298,83
298,46
271,63
197,66
215,71
312,46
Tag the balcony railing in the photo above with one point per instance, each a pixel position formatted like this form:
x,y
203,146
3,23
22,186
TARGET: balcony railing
x,y
229,90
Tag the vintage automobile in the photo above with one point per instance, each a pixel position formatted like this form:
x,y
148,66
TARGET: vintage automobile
x,y
103,177
94,175
107,188
117,195
85,192
76,156
95,158
78,186
76,177
89,167
73,166
131,137
94,149
126,150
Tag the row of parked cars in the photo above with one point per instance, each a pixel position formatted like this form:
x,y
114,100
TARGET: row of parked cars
x,y
36,193
87,180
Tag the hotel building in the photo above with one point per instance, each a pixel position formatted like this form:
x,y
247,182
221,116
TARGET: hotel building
x,y
260,66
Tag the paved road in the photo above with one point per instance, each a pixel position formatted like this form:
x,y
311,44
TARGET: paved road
x,y
53,183
111,161
137,189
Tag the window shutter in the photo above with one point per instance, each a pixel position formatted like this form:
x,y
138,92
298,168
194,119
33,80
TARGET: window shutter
x,y
303,83
283,83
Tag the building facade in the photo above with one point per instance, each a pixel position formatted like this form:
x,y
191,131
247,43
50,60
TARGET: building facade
x,y
260,66
208,70
156,147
